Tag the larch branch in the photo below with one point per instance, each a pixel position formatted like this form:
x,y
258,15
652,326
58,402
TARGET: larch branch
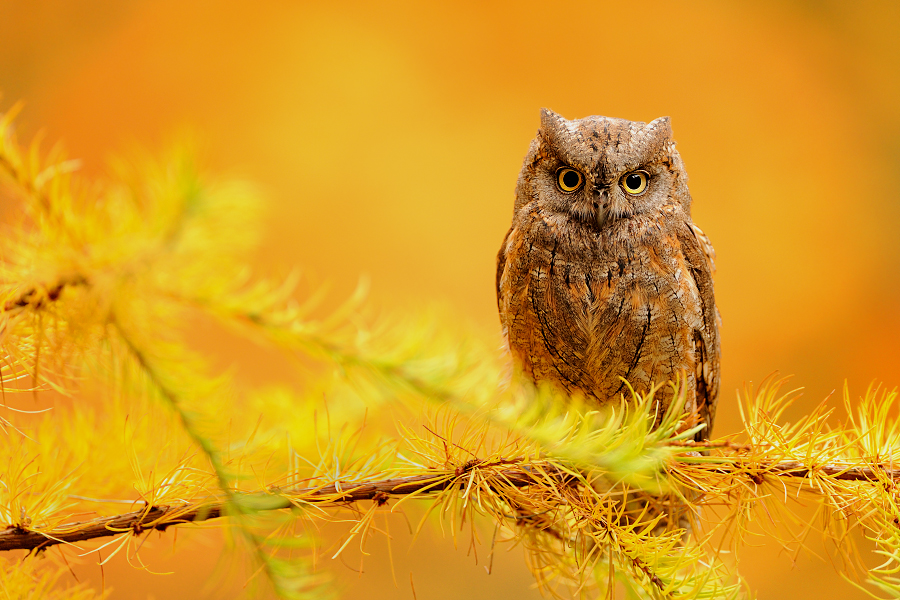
x,y
162,517
793,468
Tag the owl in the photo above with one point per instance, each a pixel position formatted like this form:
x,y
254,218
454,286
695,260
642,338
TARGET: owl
x,y
603,277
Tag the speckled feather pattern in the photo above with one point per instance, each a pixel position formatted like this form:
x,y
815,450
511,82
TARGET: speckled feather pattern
x,y
599,285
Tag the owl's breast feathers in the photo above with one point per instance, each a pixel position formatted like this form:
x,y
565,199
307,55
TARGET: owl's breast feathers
x,y
585,309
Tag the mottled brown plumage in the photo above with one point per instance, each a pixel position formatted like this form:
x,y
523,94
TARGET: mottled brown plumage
x,y
596,283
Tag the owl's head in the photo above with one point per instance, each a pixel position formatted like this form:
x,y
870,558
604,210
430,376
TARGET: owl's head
x,y
597,169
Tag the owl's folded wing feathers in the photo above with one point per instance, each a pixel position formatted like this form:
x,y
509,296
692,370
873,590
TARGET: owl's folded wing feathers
x,y
707,248
699,253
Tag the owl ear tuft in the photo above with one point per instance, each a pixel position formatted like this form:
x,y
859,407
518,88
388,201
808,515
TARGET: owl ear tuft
x,y
550,121
552,127
659,128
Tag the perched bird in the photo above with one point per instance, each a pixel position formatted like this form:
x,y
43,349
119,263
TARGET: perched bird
x,y
603,276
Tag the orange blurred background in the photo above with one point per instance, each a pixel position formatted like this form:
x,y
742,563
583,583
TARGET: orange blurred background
x,y
388,136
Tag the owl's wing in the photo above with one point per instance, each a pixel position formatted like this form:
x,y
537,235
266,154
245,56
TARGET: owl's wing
x,y
707,248
699,253
501,263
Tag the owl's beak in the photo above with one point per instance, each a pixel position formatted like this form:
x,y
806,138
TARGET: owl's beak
x,y
601,206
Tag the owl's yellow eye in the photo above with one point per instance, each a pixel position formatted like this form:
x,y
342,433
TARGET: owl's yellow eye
x,y
635,182
568,180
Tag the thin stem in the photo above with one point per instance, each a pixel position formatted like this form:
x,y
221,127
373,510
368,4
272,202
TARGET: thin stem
x,y
208,449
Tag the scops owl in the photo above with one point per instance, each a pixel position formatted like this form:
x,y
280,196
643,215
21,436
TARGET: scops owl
x,y
602,275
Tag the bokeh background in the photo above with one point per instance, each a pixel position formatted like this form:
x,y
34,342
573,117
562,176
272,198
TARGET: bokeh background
x,y
387,138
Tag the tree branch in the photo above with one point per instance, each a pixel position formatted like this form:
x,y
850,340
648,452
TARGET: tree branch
x,y
792,468
163,517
